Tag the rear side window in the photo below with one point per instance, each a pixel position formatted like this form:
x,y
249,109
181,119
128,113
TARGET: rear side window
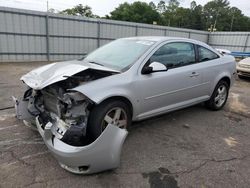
x,y
175,54
206,54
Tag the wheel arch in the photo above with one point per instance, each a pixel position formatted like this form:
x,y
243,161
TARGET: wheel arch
x,y
211,102
226,79
223,76
120,98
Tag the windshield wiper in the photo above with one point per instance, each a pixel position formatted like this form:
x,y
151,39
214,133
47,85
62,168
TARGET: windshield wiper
x,y
95,63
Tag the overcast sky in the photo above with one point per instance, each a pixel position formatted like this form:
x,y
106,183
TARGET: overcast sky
x,y
102,7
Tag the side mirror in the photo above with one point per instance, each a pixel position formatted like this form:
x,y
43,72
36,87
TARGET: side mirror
x,y
154,67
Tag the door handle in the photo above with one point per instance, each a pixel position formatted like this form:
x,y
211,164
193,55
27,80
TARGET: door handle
x,y
194,74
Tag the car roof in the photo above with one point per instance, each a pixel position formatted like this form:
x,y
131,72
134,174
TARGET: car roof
x,y
160,38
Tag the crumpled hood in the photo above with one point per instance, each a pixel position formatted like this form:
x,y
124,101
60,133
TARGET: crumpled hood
x,y
55,72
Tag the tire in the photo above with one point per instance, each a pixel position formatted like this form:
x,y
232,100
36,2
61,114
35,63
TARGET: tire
x,y
98,119
219,96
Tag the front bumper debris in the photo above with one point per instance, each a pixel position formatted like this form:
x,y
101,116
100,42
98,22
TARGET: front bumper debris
x,y
22,113
21,108
102,154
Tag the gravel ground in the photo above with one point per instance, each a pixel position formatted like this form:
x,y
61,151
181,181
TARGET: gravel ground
x,y
193,147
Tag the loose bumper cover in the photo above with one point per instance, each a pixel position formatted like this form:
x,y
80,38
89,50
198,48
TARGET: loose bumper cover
x,y
102,154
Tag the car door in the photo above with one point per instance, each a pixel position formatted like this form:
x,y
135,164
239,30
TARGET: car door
x,y
180,85
212,66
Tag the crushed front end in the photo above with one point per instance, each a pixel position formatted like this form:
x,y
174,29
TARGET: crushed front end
x,y
68,111
60,114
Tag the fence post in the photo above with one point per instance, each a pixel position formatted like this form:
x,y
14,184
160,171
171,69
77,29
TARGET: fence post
x,y
245,46
208,38
98,33
165,32
136,30
189,35
47,37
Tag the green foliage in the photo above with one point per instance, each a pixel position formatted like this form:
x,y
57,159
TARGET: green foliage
x,y
214,15
172,6
80,10
152,5
136,12
161,7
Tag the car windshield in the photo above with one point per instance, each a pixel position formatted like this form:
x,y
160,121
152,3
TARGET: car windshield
x,y
119,54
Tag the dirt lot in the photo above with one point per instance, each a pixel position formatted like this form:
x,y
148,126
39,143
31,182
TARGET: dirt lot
x,y
193,147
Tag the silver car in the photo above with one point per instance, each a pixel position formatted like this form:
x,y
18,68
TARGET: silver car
x,y
82,108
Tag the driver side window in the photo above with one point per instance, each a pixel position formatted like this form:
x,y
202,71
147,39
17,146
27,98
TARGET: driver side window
x,y
175,54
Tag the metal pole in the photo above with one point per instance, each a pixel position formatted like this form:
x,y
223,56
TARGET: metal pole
x,y
47,36
47,6
189,35
98,33
165,32
215,22
208,37
136,30
245,46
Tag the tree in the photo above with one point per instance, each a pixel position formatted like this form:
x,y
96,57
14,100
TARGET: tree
x,y
215,13
80,10
161,7
193,5
238,22
197,18
173,5
136,12
169,16
153,6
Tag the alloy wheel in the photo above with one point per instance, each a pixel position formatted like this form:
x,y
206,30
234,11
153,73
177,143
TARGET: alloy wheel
x,y
116,116
221,96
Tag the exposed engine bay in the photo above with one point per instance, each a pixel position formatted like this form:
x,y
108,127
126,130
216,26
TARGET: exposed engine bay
x,y
55,105
68,110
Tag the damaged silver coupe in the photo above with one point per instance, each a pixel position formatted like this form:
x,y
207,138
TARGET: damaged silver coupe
x,y
82,108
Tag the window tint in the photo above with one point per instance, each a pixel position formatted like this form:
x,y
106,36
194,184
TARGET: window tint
x,y
175,54
206,54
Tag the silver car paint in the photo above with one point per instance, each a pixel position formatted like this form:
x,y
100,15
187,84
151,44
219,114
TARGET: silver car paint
x,y
55,72
103,154
145,92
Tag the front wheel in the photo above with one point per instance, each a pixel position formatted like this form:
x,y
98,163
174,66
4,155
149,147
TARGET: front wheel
x,y
109,112
219,96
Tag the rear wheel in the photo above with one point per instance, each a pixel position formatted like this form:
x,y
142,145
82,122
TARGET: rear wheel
x,y
219,96
109,112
